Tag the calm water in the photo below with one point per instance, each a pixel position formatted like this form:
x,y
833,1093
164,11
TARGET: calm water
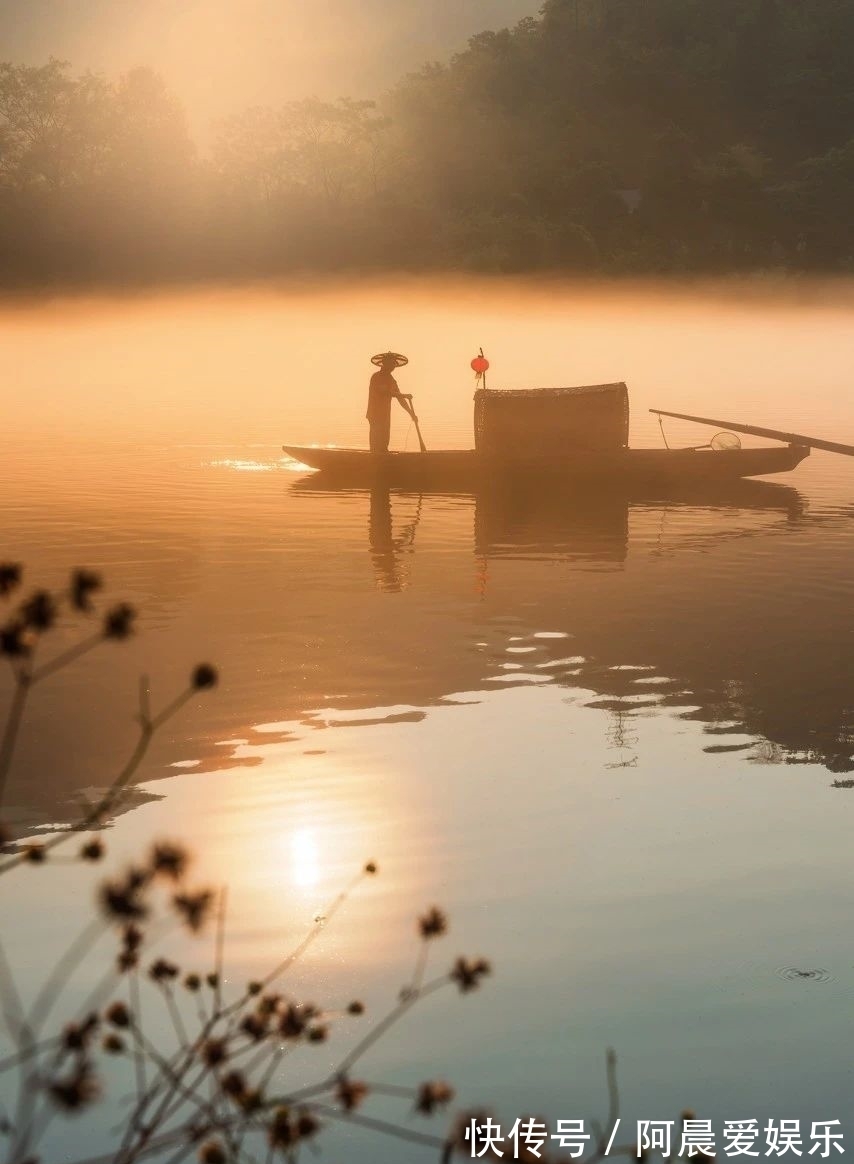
x,y
604,736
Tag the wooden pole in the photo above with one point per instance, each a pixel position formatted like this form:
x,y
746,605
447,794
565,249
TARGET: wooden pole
x,y
792,438
408,406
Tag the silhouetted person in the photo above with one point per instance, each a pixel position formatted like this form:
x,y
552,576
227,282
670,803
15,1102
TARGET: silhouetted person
x,y
383,389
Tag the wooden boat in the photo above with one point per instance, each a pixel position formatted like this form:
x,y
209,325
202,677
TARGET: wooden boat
x,y
558,435
472,469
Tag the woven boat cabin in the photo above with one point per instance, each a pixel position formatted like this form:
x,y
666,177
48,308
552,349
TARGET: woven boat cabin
x,y
549,422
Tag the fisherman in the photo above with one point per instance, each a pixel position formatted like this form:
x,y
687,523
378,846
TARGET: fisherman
x,y
383,388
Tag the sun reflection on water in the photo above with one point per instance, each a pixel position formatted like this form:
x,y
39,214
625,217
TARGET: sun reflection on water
x,y
305,859
248,466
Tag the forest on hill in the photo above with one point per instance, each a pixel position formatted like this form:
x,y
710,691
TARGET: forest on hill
x,y
606,137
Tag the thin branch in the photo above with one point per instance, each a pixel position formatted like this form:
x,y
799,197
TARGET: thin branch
x,y
63,969
13,726
170,1105
147,729
65,657
177,1070
33,1049
390,1019
144,699
307,941
175,1014
187,1093
173,708
25,680
613,1090
178,1156
420,966
136,1011
97,996
391,1089
219,947
425,1139
10,999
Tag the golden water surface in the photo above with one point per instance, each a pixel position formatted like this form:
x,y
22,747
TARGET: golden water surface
x,y
604,735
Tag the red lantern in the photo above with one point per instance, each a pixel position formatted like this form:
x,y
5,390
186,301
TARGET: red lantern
x,y
480,366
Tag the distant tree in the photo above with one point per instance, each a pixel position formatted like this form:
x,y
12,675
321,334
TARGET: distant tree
x,y
149,143
621,135
95,175
58,131
335,152
818,198
52,126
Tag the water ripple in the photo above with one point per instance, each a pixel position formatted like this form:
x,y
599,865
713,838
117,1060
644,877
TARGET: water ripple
x,y
794,974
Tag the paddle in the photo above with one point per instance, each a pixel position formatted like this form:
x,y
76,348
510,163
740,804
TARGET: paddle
x,y
791,438
407,404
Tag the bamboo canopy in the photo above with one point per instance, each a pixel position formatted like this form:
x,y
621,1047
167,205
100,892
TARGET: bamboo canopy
x,y
541,421
792,438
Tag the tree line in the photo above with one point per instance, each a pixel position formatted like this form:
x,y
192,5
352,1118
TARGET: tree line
x,y
603,136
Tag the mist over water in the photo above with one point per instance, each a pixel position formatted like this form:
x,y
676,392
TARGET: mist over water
x,y
604,735
269,364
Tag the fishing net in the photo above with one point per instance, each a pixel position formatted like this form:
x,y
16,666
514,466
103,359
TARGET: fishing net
x,y
551,421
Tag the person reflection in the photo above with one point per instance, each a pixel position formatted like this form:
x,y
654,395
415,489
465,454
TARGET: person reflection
x,y
391,575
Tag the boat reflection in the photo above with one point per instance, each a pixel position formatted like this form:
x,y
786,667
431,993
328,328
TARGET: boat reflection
x,y
565,527
700,628
564,524
595,529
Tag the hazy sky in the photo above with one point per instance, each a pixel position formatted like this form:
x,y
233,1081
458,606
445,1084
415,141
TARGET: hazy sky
x,y
221,55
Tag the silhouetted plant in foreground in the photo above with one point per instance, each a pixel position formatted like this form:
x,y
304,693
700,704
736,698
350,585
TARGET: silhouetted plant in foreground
x,y
205,1077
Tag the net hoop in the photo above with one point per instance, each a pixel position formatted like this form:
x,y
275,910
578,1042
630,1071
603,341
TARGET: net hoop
x,y
725,442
